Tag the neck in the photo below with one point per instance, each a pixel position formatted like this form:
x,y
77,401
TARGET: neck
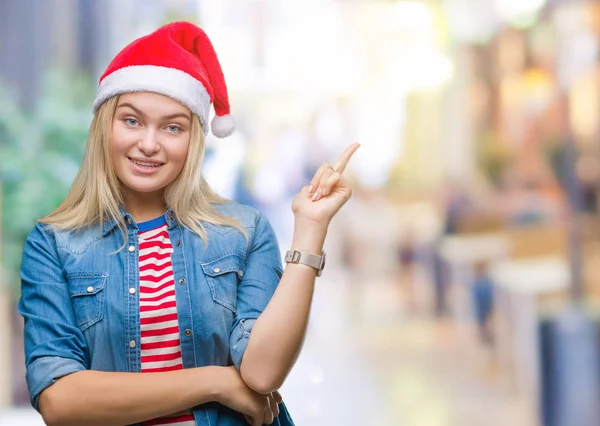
x,y
145,206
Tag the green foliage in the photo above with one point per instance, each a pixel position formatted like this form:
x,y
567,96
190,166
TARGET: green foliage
x,y
40,153
492,157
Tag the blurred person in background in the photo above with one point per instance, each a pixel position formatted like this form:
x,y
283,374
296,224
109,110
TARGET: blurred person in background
x,y
144,269
455,204
407,258
482,294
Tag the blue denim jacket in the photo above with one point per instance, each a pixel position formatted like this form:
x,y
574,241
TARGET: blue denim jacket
x,y
80,313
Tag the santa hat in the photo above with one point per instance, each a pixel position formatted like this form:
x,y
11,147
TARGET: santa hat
x,y
179,61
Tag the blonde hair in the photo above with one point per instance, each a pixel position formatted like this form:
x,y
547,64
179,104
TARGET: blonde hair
x,y
96,194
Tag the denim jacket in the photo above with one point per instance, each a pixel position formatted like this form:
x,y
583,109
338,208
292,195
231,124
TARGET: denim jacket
x,y
81,307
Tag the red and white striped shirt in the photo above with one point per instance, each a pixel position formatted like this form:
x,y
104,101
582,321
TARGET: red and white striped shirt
x,y
160,344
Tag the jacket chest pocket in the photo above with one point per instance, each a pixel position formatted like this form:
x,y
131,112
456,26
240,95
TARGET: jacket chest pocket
x,y
223,276
87,299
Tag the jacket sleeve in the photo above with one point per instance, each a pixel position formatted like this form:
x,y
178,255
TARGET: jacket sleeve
x,y
54,345
261,276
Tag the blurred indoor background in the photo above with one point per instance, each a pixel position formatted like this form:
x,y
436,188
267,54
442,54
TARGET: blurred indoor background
x,y
464,274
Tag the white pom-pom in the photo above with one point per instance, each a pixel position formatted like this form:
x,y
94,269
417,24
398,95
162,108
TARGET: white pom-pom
x,y
222,126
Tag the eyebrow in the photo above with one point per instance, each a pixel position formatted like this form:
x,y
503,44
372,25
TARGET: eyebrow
x,y
168,117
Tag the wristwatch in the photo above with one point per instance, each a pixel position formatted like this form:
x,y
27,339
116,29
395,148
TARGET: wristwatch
x,y
312,260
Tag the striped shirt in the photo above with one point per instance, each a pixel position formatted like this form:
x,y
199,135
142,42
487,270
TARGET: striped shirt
x,y
160,344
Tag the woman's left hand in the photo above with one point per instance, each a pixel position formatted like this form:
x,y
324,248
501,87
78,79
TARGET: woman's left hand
x,y
327,193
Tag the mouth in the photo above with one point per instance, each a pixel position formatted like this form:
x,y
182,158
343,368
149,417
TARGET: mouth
x,y
146,164
145,167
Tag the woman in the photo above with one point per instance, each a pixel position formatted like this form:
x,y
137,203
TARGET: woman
x,y
142,269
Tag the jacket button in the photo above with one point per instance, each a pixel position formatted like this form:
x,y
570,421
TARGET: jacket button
x,y
90,289
178,243
188,332
132,344
217,270
182,281
171,217
132,290
131,249
129,220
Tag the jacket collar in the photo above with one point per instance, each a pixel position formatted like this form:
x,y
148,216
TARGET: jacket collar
x,y
110,224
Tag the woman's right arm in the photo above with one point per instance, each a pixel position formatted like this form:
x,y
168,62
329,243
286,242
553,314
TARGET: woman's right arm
x,y
105,398
63,388
100,398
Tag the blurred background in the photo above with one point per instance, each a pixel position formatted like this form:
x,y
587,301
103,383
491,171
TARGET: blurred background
x,y
463,276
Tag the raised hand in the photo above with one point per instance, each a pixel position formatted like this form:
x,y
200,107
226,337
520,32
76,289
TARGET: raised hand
x,y
327,192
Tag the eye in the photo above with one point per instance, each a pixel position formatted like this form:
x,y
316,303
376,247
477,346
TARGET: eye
x,y
131,122
173,128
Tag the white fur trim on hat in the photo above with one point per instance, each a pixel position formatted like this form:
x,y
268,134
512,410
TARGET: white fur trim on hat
x,y
167,81
222,126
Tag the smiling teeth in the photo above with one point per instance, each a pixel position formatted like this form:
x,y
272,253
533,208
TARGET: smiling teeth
x,y
139,163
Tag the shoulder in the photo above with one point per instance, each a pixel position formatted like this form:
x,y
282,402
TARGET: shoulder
x,y
246,215
74,241
252,220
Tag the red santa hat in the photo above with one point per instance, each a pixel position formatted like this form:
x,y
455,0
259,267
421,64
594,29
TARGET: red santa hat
x,y
177,60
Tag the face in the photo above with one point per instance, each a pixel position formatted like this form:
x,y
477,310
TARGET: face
x,y
149,142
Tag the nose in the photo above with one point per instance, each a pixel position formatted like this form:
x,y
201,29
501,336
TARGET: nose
x,y
148,144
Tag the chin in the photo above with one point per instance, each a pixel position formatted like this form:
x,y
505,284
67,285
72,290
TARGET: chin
x,y
145,188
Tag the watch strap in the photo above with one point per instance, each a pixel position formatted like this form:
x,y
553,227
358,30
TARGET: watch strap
x,y
309,259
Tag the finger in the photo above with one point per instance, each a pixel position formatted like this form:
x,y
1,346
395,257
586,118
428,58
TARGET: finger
x,y
269,418
277,397
321,188
332,180
342,162
343,187
274,406
317,177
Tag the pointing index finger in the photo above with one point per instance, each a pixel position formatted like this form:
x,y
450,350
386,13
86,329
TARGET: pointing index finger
x,y
342,162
